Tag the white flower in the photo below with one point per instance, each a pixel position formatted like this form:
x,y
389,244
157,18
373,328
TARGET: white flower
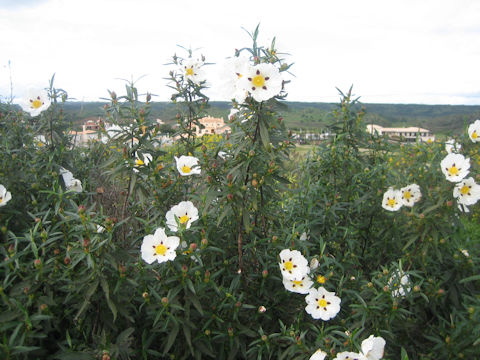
x,y
463,208
314,263
75,185
392,199
100,229
159,247
322,304
37,101
192,70
293,265
144,161
318,355
232,73
347,355
410,194
187,165
5,196
455,167
303,237
301,286
263,81
399,283
373,347
465,252
467,192
185,212
39,141
451,146
70,182
474,131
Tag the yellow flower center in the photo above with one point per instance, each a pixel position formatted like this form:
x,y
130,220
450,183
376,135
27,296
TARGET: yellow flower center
x,y
183,219
321,279
465,190
322,303
258,81
289,265
1,199
40,144
36,103
160,249
139,162
297,282
453,171
474,134
407,195
186,169
391,202
189,72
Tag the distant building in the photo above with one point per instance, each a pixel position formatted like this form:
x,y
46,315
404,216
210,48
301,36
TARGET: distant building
x,y
407,134
90,132
211,126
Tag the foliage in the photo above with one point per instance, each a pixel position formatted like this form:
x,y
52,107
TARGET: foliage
x,y
74,284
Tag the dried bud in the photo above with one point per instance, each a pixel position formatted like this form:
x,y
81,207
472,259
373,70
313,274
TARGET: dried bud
x,y
43,307
37,262
230,197
254,183
165,301
145,295
66,261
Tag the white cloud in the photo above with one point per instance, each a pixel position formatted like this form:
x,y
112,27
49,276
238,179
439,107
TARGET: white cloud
x,y
408,51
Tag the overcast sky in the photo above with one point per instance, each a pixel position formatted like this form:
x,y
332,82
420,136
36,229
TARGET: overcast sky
x,y
407,51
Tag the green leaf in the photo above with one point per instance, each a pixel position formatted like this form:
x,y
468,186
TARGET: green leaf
x,y
264,134
171,338
470,278
87,299
110,303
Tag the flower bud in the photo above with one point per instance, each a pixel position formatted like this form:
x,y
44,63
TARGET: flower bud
x,y
230,331
262,309
264,274
193,246
37,263
66,261
165,301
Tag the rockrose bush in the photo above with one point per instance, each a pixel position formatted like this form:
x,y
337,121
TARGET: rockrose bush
x,y
145,246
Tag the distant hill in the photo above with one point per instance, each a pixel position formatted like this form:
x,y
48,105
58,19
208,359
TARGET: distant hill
x,y
441,119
